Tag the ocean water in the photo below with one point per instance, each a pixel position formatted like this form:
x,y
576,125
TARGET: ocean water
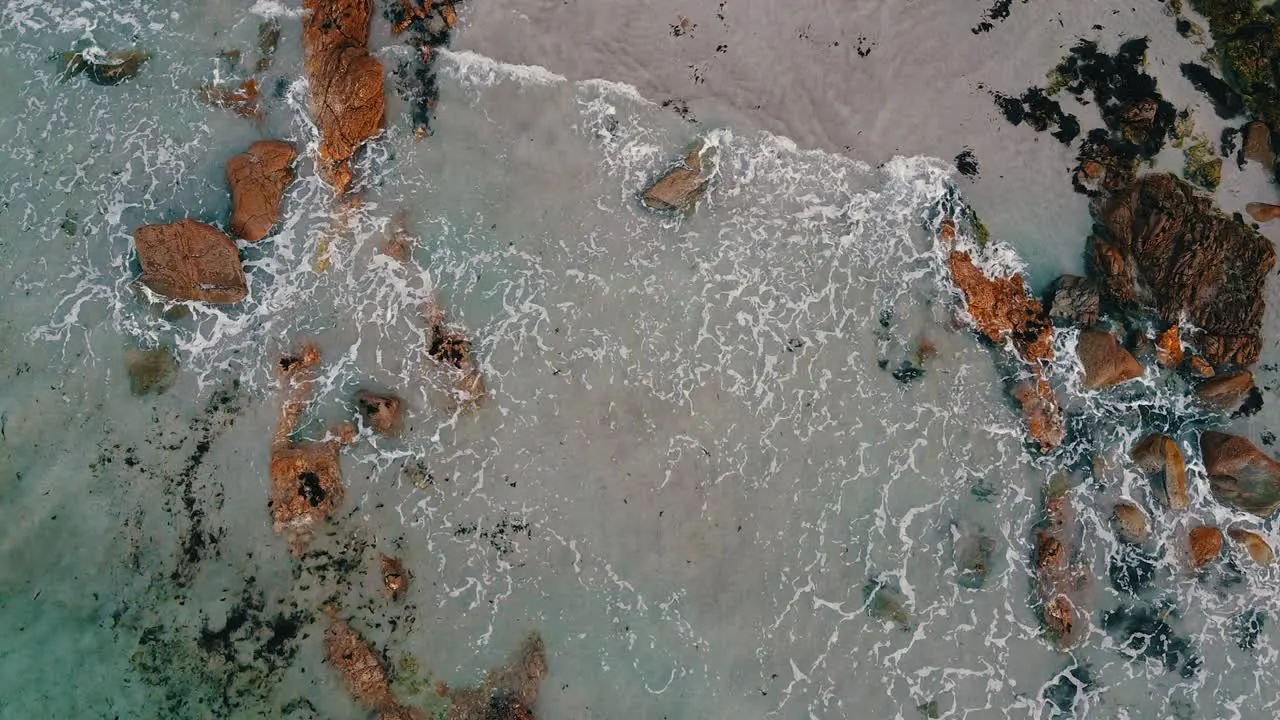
x,y
694,458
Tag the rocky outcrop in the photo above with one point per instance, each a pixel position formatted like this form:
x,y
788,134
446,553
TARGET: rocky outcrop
x,y
1129,524
1241,475
1105,362
150,371
1162,245
1059,579
359,667
1075,300
508,692
1204,545
1161,459
347,97
258,178
680,187
380,412
189,260
1041,412
1257,548
1226,392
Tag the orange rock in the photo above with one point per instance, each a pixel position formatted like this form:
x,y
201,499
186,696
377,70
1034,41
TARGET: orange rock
x,y
258,178
361,669
347,97
1161,458
1105,362
509,691
1129,522
189,260
1058,579
1226,392
1169,348
1200,367
448,14
380,412
1002,307
1262,212
1041,412
1257,547
395,579
243,99
1205,544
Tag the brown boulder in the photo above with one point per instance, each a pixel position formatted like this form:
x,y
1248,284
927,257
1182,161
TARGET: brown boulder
x,y
395,579
681,187
1257,145
1169,348
1002,307
1200,367
380,412
257,178
1262,212
1205,543
1075,300
1257,547
150,371
1241,475
1129,523
1161,458
1226,392
1105,362
360,668
1165,246
189,260
347,97
241,99
1059,579
1041,413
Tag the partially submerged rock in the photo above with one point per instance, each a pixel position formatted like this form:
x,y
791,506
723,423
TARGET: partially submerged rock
x,y
680,188
258,178
268,41
508,692
1041,412
347,98
359,667
150,371
1169,348
449,346
1257,548
1105,362
1059,579
1204,544
886,603
1226,392
971,551
241,99
306,479
1200,367
1129,523
1257,145
1075,300
112,68
1241,475
1164,246
380,412
395,579
1161,459
189,260
1262,212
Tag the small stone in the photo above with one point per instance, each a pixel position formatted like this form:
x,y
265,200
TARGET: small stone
x,y
1129,523
1105,362
1255,545
150,371
241,99
1205,544
231,56
380,412
1200,367
1169,348
1161,458
395,579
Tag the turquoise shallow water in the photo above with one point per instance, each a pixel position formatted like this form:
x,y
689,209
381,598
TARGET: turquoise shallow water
x,y
690,466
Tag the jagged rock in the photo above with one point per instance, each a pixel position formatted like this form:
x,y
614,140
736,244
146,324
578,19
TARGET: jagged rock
x,y
395,579
971,551
1129,523
1075,300
189,260
509,691
360,668
380,412
1200,367
241,99
1262,212
1204,544
347,98
1165,246
1226,392
1041,412
1255,545
1169,348
150,371
1105,362
1257,145
258,178
1241,475
112,69
268,40
681,187
1058,578
1161,458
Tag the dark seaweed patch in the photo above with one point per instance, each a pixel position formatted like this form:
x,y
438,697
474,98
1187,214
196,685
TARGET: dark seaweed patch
x,y
1227,143
1131,570
1251,405
1246,627
999,12
1040,112
310,490
1145,632
907,373
1227,103
1067,689
967,163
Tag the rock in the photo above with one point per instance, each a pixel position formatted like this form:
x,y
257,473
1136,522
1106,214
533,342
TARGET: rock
x,y
347,98
680,187
241,99
306,479
257,178
395,579
1257,547
1144,631
470,389
886,603
150,371
111,69
1041,412
1200,367
1105,362
1161,458
1058,579
268,40
359,667
1002,307
509,691
1169,348
189,260
399,246
1226,392
1262,212
1129,523
971,552
1241,475
380,412
1257,145
1204,544
1075,300
1163,245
